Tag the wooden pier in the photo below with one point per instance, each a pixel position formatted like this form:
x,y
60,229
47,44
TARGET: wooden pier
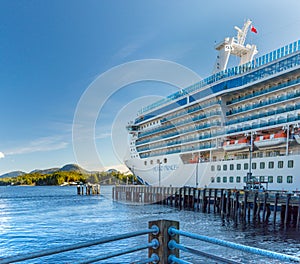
x,y
239,205
88,189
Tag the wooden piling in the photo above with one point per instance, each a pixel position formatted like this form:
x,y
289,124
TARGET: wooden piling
x,y
215,199
163,237
287,211
233,204
298,215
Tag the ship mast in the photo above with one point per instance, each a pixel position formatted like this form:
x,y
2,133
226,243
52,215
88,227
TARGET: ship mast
x,y
235,46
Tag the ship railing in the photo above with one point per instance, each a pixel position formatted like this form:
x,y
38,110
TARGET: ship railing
x,y
235,71
163,247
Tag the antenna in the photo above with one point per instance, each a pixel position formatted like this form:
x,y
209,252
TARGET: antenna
x,y
236,47
242,33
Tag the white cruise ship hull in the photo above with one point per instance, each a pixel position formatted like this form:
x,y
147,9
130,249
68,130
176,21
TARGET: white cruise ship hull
x,y
177,174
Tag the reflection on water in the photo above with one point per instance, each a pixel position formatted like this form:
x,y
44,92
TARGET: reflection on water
x,y
35,218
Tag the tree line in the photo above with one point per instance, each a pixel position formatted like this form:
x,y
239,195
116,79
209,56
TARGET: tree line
x,y
62,177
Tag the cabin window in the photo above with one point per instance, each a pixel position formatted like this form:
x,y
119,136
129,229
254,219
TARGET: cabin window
x,y
280,164
224,179
238,178
262,178
145,162
224,167
271,164
290,164
246,166
270,179
254,165
212,168
212,179
289,179
218,167
219,179
262,165
238,166
231,167
279,179
165,160
231,179
151,162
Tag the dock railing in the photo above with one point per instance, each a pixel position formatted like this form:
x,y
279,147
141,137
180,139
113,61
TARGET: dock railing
x,y
163,247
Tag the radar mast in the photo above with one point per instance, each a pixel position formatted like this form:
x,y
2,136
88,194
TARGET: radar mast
x,y
235,46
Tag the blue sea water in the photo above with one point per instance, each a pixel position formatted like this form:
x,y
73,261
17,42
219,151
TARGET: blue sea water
x,y
37,218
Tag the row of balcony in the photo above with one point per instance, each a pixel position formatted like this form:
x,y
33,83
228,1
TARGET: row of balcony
x,y
191,110
182,122
175,133
228,131
264,91
279,121
163,144
266,114
209,135
208,145
262,104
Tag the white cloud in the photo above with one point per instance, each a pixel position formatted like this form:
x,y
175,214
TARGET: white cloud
x,y
39,145
103,135
1,155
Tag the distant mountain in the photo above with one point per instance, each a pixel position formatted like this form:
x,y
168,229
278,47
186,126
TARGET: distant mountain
x,y
12,174
68,167
74,167
46,171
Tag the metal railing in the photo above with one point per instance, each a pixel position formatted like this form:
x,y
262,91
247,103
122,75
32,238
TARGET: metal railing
x,y
163,248
49,252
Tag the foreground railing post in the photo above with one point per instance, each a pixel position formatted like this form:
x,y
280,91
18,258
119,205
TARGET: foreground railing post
x,y
163,238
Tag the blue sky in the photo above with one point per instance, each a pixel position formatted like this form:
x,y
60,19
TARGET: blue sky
x,y
52,50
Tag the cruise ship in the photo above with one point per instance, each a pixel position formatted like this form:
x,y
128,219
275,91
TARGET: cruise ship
x,y
238,128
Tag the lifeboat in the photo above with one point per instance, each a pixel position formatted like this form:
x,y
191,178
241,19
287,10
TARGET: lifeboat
x,y
270,140
237,144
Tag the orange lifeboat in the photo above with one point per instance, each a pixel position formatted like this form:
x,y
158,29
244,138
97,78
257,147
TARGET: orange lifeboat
x,y
237,144
270,140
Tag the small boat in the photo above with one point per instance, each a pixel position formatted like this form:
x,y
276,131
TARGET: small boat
x,y
270,140
237,144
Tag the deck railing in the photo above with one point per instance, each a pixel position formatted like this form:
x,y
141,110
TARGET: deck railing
x,y
163,247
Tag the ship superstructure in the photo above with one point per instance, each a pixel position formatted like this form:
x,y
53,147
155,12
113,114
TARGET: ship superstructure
x,y
237,128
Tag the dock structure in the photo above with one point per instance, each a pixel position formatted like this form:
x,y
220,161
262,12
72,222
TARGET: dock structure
x,y
241,206
88,189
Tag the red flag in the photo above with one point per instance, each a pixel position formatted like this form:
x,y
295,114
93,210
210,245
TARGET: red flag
x,y
253,29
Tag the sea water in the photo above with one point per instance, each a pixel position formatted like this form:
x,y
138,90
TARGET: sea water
x,y
37,218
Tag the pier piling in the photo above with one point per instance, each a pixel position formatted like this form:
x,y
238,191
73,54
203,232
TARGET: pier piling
x,y
239,205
